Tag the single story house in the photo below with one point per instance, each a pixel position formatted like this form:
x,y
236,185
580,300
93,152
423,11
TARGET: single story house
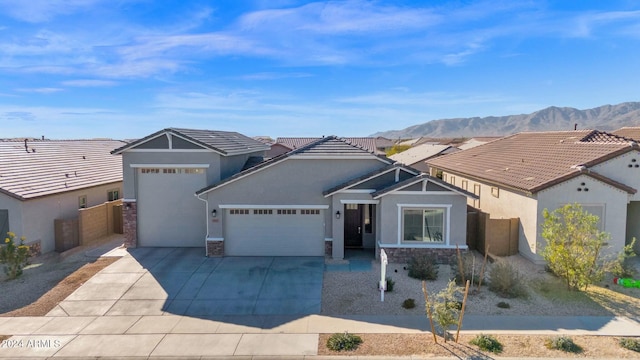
x,y
44,180
376,145
521,175
188,188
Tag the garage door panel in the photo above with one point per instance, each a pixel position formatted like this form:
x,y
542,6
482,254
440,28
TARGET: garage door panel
x,y
169,215
274,234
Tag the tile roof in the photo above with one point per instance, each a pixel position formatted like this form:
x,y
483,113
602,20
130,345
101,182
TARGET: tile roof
x,y
628,132
533,161
369,176
367,143
418,153
327,146
223,142
47,167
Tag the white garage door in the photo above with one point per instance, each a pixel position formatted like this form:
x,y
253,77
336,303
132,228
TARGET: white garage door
x,y
274,232
169,214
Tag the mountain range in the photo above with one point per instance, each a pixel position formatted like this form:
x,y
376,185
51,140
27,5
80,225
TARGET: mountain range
x,y
606,117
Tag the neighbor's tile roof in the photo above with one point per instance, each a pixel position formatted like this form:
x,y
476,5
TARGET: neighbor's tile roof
x,y
367,143
327,146
418,153
223,142
533,161
628,132
49,167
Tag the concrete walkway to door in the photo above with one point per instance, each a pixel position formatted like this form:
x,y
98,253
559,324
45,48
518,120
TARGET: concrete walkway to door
x,y
181,281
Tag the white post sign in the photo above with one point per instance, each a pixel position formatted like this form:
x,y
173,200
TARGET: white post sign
x,y
383,273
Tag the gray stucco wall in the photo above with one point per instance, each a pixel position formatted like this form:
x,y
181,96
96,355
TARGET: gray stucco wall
x,y
290,182
389,210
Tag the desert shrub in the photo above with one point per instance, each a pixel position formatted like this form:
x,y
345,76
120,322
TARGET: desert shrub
x,y
503,305
563,343
506,281
487,343
14,256
621,267
630,344
390,284
343,341
445,306
409,303
470,268
574,246
423,267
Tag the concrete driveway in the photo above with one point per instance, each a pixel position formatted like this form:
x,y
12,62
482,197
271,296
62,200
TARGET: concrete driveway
x,y
182,281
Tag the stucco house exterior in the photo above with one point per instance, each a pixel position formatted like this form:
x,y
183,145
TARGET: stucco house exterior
x,y
417,156
523,174
315,200
44,180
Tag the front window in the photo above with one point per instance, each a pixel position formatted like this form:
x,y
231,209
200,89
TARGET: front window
x,y
426,225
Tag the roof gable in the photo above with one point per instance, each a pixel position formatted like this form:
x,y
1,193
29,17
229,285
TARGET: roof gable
x,y
46,167
397,168
425,181
222,142
325,148
530,162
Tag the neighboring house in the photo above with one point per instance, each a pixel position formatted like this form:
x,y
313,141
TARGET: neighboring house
x,y
523,174
371,144
417,155
315,200
628,132
44,180
476,141
162,172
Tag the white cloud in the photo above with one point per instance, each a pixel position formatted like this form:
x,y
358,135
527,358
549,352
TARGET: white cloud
x,y
89,83
46,90
36,11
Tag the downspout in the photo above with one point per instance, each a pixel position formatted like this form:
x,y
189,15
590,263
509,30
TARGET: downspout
x,y
206,214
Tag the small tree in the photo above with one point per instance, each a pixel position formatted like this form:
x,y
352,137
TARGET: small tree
x,y
13,256
446,306
574,245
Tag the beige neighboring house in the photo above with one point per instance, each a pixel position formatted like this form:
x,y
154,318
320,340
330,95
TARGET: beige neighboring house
x,y
45,180
417,155
628,132
477,141
521,175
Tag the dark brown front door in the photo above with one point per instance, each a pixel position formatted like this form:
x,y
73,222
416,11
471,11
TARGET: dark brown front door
x,y
352,225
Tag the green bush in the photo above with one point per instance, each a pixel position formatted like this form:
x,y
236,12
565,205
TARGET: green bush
x,y
630,344
409,303
343,341
563,343
622,267
423,267
13,256
487,343
506,281
503,305
390,284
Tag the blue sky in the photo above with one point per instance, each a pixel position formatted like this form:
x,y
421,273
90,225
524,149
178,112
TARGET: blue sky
x,y
127,68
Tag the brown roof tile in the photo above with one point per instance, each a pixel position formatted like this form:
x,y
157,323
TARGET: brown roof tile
x,y
628,132
535,160
49,167
366,143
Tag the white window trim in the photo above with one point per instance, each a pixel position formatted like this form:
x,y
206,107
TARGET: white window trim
x,y
375,202
425,192
430,246
447,211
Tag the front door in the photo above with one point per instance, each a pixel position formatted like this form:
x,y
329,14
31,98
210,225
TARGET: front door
x,y
352,225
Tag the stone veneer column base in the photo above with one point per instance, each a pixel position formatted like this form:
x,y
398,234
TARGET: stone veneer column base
x,y
215,248
328,248
130,223
403,255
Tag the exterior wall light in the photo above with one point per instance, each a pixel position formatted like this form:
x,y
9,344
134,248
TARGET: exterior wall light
x,y
214,213
338,214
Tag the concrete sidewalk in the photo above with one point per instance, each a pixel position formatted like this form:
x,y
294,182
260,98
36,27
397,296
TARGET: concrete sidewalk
x,y
249,336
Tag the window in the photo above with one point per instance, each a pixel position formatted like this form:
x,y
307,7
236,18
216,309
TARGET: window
x,y
369,216
172,171
287,212
495,191
351,206
262,212
239,211
150,171
426,225
82,202
309,212
476,191
452,180
444,177
465,184
113,195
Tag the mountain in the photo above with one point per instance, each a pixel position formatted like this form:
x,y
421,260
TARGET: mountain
x,y
606,117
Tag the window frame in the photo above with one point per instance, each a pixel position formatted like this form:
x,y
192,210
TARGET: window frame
x,y
110,194
82,202
446,208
